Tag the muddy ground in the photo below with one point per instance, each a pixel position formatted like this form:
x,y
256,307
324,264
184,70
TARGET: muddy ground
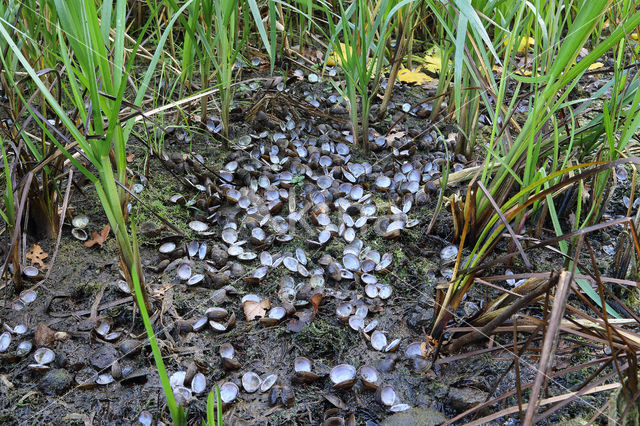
x,y
82,278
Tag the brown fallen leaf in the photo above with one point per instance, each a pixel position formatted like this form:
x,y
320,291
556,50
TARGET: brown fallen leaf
x,y
253,310
315,301
36,255
304,318
44,336
98,238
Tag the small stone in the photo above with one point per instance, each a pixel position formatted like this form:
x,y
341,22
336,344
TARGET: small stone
x,y
130,347
220,280
55,381
237,270
464,398
219,256
104,356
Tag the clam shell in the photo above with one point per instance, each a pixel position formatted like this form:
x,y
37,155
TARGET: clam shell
x,y
199,324
30,271
5,341
251,382
23,348
371,290
356,323
216,313
235,250
184,272
301,256
449,253
80,221
266,259
324,236
229,236
384,291
105,379
302,364
177,378
28,296
361,311
291,263
268,382
383,183
386,395
227,351
198,226
378,340
391,347
202,251
277,313
343,376
351,262
370,377
167,247
228,392
79,234
103,328
414,350
44,356
192,248
371,326
399,407
247,255
145,418
195,279
344,310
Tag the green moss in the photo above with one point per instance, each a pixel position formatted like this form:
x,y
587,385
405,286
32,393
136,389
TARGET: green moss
x,y
325,339
85,289
156,198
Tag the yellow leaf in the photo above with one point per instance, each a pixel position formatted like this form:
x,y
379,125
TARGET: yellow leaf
x,y
432,61
405,75
596,66
524,45
524,72
334,59
593,66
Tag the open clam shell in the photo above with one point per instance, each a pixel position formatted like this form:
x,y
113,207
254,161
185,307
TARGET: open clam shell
x,y
344,311
184,272
5,341
228,392
251,382
370,377
378,340
386,395
302,368
268,382
343,376
44,356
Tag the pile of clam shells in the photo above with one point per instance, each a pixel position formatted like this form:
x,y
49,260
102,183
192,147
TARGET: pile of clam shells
x,y
293,206
299,184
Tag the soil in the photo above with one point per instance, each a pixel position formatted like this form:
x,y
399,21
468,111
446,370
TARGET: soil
x,y
84,278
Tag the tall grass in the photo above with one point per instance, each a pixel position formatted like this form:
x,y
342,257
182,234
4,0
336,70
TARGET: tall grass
x,y
92,47
358,37
523,168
